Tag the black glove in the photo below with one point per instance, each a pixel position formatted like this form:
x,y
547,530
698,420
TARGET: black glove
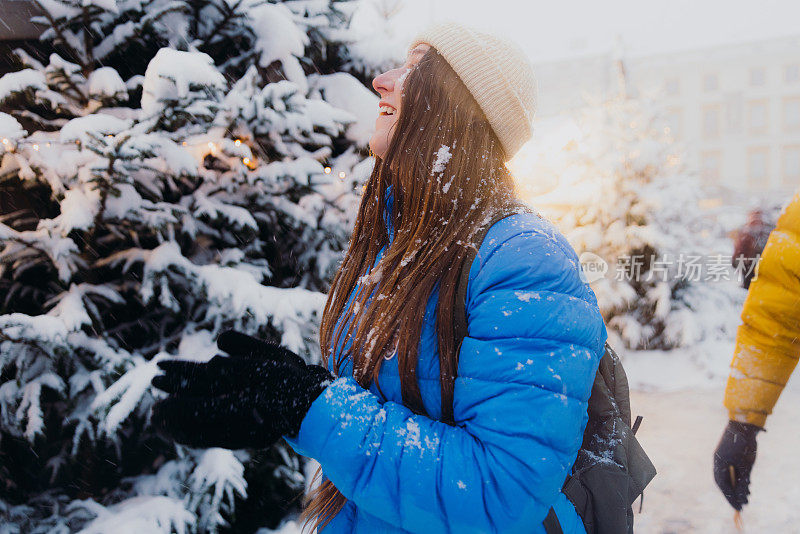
x,y
248,400
250,358
737,450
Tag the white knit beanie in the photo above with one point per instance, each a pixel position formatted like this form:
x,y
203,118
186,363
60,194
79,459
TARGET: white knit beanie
x,y
496,72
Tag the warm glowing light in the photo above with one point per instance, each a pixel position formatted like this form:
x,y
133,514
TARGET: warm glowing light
x,y
211,145
109,136
249,163
6,141
237,142
36,147
184,143
327,170
342,175
710,203
246,161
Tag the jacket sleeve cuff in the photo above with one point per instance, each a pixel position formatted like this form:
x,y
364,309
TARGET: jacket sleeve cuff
x,y
758,419
323,417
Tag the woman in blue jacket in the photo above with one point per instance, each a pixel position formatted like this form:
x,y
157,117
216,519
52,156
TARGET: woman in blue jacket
x,y
417,433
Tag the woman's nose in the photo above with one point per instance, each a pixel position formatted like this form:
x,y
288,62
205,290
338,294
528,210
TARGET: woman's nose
x,y
383,83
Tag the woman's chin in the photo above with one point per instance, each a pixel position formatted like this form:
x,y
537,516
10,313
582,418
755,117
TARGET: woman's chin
x,y
377,147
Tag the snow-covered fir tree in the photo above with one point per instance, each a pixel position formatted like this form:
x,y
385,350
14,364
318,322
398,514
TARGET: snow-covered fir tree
x,y
380,42
613,181
179,168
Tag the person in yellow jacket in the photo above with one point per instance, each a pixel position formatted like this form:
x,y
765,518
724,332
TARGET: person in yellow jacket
x,y
767,349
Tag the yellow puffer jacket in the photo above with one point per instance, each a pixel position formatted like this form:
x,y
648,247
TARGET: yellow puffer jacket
x,y
768,341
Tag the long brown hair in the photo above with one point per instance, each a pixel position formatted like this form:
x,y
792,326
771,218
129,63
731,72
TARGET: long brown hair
x,y
436,209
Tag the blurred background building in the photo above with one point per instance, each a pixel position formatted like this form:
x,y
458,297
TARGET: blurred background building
x,y
735,108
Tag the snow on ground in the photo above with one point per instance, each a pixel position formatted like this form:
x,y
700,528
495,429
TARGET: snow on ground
x,y
702,366
679,394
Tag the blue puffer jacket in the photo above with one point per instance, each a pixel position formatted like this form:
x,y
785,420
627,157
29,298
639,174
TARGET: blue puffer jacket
x,y
525,372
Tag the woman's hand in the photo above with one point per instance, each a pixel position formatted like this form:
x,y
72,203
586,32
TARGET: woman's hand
x,y
247,400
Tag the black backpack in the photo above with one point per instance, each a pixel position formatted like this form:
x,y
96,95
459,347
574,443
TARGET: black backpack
x,y
611,470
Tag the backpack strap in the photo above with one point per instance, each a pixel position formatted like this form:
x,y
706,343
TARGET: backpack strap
x,y
551,524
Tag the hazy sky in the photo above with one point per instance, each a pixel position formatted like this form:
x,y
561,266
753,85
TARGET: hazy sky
x,y
562,28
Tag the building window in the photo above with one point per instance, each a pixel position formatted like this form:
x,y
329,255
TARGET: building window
x,y
791,114
791,165
758,116
757,167
710,82
672,87
792,73
710,163
758,76
711,121
734,112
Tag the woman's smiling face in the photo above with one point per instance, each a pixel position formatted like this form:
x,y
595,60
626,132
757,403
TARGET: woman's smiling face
x,y
390,86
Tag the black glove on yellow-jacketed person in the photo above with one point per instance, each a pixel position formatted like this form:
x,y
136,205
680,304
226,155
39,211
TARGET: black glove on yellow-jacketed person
x,y
733,462
246,400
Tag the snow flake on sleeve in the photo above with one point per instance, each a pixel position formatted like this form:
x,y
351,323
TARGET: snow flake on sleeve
x,y
412,434
526,296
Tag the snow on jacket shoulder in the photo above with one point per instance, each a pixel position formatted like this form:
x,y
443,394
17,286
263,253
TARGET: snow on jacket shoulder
x,y
768,340
535,338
